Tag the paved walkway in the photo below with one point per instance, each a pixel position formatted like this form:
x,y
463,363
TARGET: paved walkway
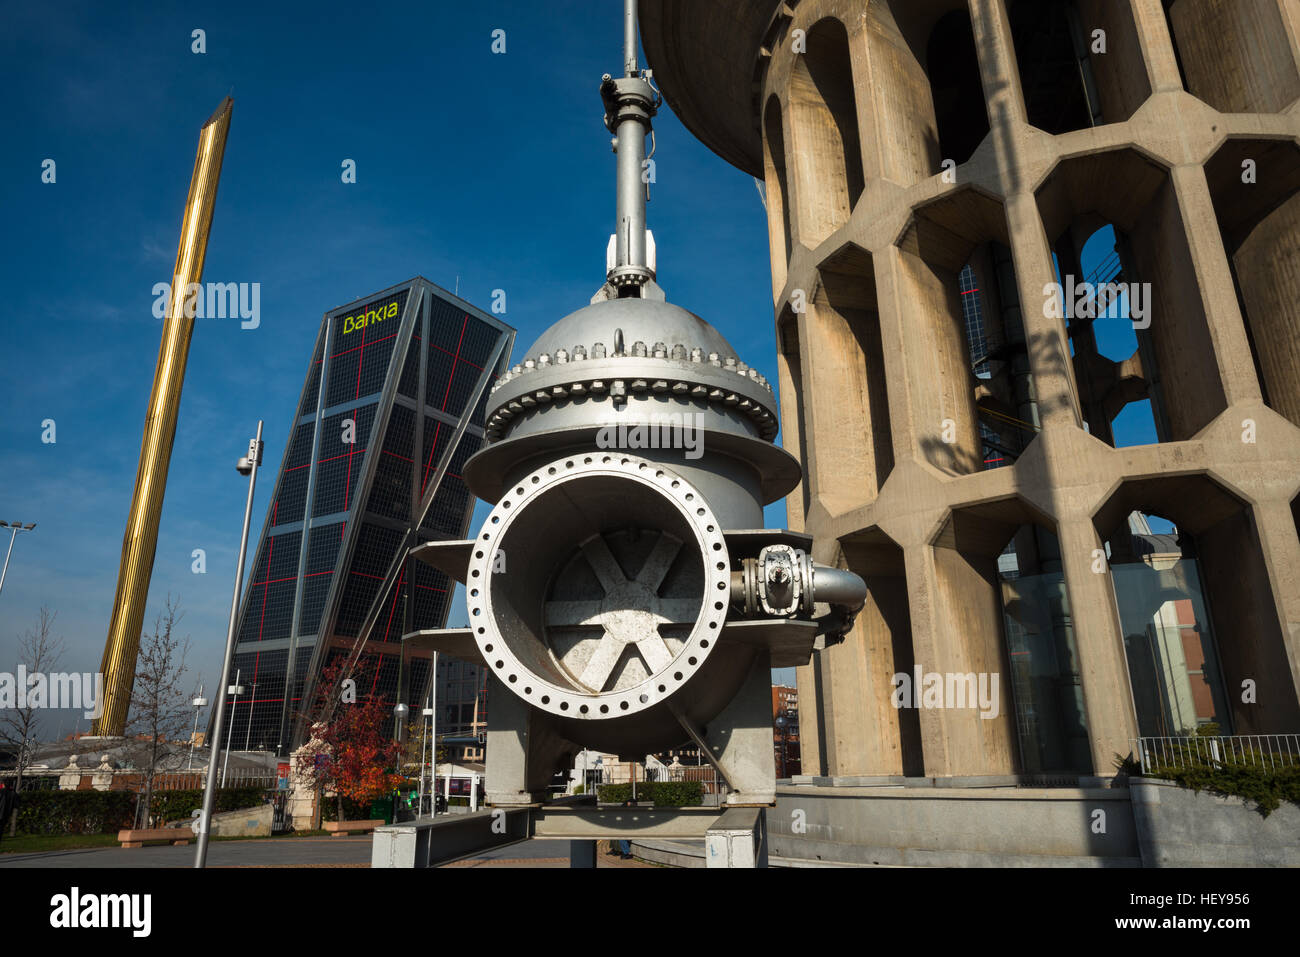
x,y
271,852
293,852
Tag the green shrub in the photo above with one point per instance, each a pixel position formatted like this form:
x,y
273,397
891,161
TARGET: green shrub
x,y
661,793
75,812
180,805
1267,787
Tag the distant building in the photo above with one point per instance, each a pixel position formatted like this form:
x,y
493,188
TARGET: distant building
x,y
462,709
785,733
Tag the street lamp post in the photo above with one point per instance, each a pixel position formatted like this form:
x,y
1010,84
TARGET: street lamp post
x,y
235,691
248,465
782,723
16,528
199,704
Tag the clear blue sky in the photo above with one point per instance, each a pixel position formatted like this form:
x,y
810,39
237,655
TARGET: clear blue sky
x,y
493,171
492,168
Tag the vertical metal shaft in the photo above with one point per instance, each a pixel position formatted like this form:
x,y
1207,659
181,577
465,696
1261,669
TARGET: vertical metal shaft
x,y
210,790
629,38
141,538
630,105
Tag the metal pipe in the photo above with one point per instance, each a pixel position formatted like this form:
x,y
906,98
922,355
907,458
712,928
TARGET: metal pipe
x,y
629,38
631,196
839,587
209,790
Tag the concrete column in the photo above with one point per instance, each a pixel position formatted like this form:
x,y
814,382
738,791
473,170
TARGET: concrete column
x,y
1280,543
1209,269
998,70
1045,335
1103,668
1157,45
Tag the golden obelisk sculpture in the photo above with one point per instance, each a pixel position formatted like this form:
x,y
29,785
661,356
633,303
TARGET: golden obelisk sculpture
x,y
141,538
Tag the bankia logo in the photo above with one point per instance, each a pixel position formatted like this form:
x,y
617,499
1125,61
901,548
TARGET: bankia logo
x,y
368,317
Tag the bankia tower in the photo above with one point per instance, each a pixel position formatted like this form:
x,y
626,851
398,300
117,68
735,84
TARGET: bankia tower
x,y
391,409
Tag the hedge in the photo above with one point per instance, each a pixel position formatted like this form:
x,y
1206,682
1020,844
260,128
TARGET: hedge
x,y
75,812
180,805
1267,787
661,793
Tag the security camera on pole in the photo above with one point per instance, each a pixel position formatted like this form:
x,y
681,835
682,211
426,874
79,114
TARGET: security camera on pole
x,y
248,465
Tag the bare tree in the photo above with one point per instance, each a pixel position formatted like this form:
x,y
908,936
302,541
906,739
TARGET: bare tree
x,y
160,698
39,652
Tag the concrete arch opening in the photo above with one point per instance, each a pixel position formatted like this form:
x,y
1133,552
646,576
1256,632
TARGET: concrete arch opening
x,y
846,374
1200,626
1235,55
966,415
1174,365
952,66
1080,62
1255,187
880,739
825,146
794,416
778,191
1003,614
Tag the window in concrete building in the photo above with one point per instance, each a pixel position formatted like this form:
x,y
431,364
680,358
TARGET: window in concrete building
x,y
999,362
1080,62
1168,636
1128,295
1055,73
1111,356
954,71
1042,655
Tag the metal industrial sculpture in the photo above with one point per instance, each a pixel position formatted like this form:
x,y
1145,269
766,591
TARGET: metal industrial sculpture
x,y
141,537
623,593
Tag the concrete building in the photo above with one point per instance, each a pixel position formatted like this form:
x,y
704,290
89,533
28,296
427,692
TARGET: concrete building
x,y
969,458
785,730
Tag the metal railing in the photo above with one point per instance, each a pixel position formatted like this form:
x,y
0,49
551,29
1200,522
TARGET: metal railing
x,y
1269,751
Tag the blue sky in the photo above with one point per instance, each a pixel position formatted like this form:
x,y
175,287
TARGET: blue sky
x,y
493,171
474,169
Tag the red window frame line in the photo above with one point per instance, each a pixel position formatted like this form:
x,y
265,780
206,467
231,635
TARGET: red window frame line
x,y
372,342
455,361
392,609
276,581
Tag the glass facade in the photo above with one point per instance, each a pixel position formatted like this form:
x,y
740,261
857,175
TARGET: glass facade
x,y
1169,642
370,472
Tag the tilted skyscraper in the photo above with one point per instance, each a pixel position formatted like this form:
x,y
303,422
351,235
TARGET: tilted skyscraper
x,y
391,408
